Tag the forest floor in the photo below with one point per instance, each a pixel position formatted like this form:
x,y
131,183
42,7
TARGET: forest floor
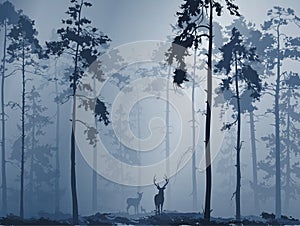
x,y
167,218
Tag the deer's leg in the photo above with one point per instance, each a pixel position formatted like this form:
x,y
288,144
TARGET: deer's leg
x,y
161,206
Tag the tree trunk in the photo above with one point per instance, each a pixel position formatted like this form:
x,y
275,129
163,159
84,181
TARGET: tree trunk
x,y
57,140
168,138
31,194
95,166
3,161
288,164
139,147
94,182
73,157
23,134
73,154
277,135
194,179
207,209
254,161
73,163
238,148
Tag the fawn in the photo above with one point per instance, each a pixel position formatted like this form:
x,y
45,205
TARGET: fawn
x,y
134,202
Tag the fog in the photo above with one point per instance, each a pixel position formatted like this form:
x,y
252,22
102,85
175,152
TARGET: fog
x,y
126,23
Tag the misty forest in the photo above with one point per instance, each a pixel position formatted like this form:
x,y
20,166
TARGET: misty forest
x,y
174,112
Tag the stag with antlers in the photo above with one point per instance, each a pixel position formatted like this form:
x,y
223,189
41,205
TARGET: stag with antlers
x,y
159,198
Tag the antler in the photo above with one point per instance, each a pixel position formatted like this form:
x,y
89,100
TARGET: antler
x,y
167,181
154,181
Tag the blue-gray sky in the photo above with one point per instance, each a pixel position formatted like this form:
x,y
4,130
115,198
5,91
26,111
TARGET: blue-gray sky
x,y
135,20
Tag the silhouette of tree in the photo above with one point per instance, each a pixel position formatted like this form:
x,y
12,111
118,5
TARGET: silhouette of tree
x,y
62,95
241,79
63,92
24,49
289,140
192,32
291,137
279,17
40,173
81,41
8,17
263,43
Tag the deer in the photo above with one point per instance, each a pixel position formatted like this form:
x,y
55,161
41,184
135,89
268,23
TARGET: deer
x,y
135,202
159,198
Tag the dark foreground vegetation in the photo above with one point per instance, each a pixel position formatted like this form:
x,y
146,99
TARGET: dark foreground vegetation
x,y
171,218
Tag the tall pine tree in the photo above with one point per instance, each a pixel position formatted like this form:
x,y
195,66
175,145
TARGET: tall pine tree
x,y
83,43
241,77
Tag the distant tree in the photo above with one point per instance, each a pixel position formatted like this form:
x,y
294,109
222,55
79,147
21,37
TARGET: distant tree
x,y
225,166
262,43
241,78
40,172
289,140
82,42
290,136
119,80
62,94
8,17
24,49
57,141
192,31
280,17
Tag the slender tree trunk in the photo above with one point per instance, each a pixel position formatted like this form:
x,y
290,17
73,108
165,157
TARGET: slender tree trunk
x,y
277,135
207,208
23,134
139,146
31,200
238,148
288,164
3,161
73,167
73,153
95,166
31,194
57,140
194,178
168,137
254,161
73,157
94,182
